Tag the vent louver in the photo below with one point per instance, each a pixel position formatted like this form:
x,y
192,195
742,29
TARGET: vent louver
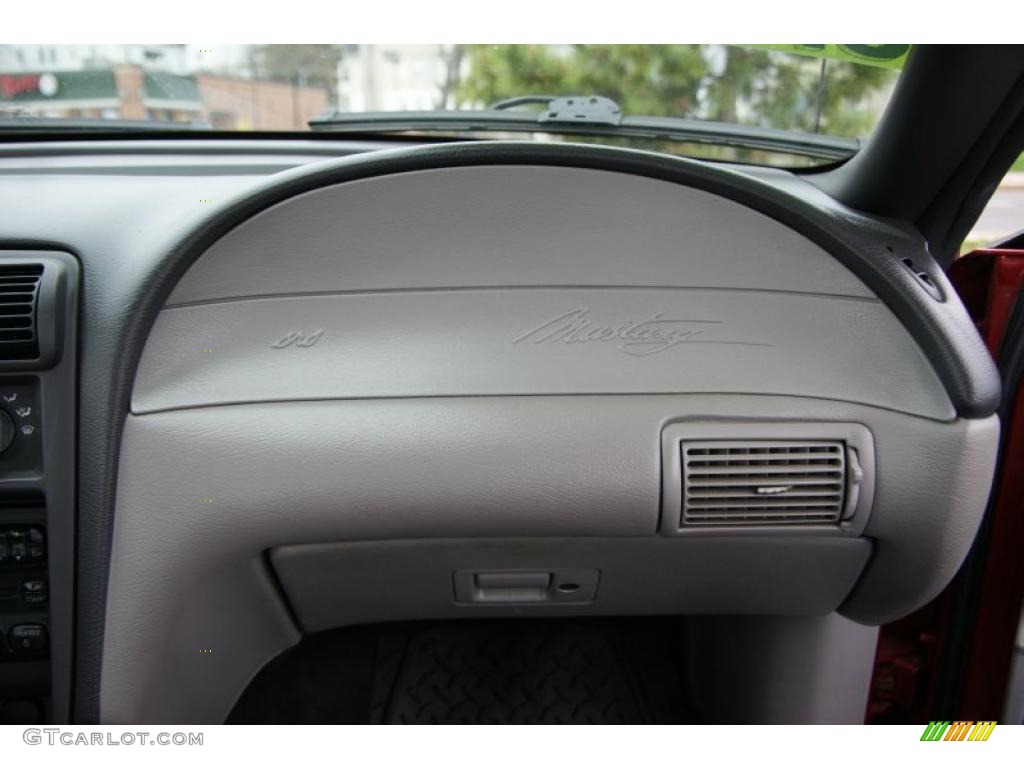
x,y
19,292
763,483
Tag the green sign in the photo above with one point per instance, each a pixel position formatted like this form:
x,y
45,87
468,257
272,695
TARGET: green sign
x,y
889,56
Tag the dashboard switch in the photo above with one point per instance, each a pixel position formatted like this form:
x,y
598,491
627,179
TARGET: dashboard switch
x,y
22,545
35,592
17,545
28,638
36,545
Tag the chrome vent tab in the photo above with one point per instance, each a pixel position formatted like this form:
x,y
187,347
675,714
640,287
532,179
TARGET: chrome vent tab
x,y
761,482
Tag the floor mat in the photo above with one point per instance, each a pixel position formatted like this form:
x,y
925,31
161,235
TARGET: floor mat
x,y
501,671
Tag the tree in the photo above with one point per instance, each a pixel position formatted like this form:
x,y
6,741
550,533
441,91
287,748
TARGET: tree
x,y
731,84
452,57
314,65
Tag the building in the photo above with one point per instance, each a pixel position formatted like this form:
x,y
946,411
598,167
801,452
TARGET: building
x,y
134,92
375,78
60,58
242,104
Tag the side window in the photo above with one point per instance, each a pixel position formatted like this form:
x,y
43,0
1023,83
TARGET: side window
x,y
1003,217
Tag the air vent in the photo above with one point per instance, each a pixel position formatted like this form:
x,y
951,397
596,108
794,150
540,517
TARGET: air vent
x,y
746,483
19,292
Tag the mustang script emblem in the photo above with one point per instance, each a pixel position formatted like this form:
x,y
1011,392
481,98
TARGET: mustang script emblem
x,y
639,338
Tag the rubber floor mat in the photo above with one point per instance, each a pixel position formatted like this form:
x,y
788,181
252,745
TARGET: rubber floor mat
x,y
529,671
542,671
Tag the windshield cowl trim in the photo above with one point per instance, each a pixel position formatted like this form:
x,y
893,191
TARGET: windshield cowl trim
x,y
662,128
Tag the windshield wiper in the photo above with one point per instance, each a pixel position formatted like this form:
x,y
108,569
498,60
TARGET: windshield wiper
x,y
592,116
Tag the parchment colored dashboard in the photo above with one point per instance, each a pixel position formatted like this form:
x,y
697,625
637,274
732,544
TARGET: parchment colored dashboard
x,y
345,384
492,351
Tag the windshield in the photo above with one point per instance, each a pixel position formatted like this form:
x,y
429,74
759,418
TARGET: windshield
x,y
829,90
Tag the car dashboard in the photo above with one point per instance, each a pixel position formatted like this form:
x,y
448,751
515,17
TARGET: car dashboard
x,y
272,388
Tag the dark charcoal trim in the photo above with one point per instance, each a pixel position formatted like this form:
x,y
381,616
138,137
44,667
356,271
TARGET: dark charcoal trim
x,y
871,248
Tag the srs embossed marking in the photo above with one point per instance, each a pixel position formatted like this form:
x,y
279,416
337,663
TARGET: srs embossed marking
x,y
638,338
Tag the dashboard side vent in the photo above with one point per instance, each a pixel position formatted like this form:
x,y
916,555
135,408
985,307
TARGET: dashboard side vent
x,y
763,483
19,294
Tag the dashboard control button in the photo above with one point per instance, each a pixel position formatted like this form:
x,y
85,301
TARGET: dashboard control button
x,y
17,545
22,545
6,430
36,545
28,638
35,592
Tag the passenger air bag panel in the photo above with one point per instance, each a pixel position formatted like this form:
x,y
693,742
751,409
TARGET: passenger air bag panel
x,y
534,342
526,280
